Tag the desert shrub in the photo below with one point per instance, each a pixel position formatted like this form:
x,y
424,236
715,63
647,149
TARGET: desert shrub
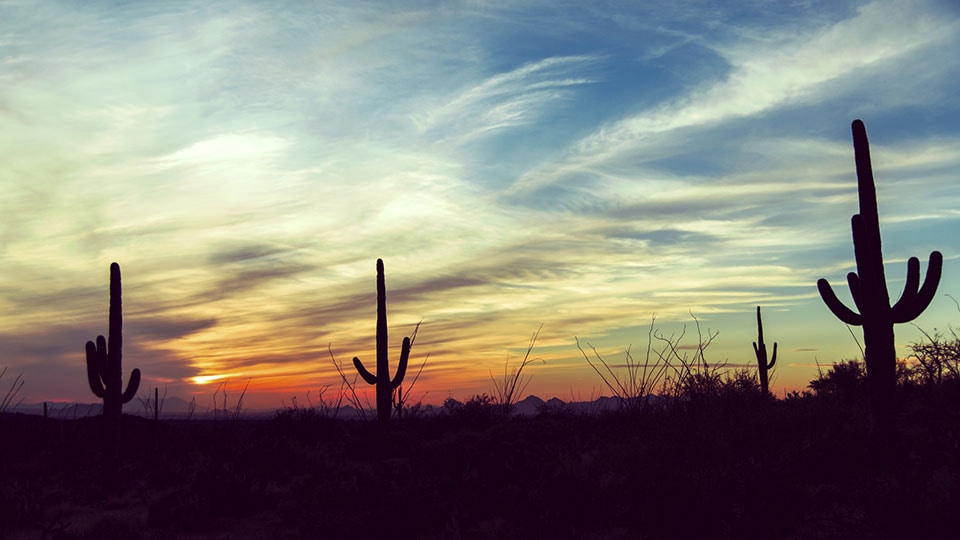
x,y
844,379
479,409
848,379
936,358
740,384
718,382
701,386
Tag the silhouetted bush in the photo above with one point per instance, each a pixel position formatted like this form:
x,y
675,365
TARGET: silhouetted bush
x,y
735,464
481,409
847,378
937,358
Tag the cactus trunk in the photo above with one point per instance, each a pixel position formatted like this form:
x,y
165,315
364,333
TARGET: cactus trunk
x,y
383,362
868,287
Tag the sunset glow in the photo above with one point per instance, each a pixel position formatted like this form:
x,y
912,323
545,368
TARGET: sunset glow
x,y
581,165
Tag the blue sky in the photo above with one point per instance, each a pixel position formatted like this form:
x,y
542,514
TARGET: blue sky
x,y
583,166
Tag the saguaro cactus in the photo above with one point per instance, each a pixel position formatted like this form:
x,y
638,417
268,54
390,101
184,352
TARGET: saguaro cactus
x,y
385,385
104,358
760,349
868,286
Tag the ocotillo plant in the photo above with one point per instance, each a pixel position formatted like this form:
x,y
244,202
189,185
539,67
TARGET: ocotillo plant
x,y
868,287
760,349
385,386
104,358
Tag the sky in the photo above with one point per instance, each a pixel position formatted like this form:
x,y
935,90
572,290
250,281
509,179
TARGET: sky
x,y
586,166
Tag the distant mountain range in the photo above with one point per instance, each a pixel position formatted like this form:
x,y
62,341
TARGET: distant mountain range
x,y
178,408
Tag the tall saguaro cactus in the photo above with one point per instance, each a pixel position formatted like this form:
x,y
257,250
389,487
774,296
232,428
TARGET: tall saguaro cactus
x,y
385,385
868,286
760,349
104,358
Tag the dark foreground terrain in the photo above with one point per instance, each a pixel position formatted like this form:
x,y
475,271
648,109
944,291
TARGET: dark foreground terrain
x,y
728,467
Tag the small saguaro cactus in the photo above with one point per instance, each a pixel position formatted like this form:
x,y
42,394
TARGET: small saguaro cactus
x,y
760,349
398,402
385,385
104,358
868,287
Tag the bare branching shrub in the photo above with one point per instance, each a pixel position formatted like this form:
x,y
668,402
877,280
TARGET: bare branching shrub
x,y
192,408
326,405
220,407
668,369
323,405
691,376
401,396
633,382
152,405
351,385
7,403
936,358
512,383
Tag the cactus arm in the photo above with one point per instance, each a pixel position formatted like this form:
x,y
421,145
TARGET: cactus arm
x,y
756,351
911,286
370,378
94,366
841,311
402,367
931,281
132,386
913,301
853,283
773,359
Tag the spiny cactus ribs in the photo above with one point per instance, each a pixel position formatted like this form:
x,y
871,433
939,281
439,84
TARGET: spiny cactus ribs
x,y
868,285
104,358
385,386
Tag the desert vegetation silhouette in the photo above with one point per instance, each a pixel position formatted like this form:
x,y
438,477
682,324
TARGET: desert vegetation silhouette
x,y
868,287
689,448
760,350
386,386
105,358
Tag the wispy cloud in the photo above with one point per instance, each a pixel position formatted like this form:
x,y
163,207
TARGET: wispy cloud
x,y
509,99
767,72
578,165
